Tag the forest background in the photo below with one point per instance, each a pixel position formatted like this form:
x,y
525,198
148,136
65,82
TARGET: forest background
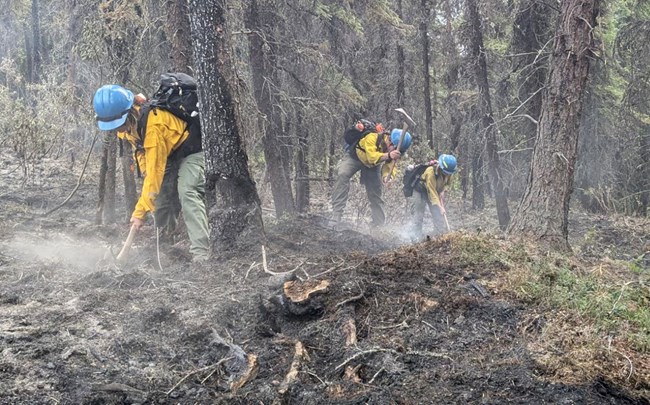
x,y
303,71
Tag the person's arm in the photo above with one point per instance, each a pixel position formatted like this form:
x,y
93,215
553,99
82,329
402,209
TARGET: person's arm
x,y
429,178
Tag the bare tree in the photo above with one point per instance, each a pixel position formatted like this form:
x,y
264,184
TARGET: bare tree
x,y
544,209
485,112
426,6
260,19
237,216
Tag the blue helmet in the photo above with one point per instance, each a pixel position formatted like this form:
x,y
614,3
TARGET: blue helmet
x,y
112,104
447,164
394,139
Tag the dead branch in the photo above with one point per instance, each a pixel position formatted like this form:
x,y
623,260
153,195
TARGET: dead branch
x,y
351,299
299,356
350,330
198,370
375,376
395,352
266,268
115,387
83,170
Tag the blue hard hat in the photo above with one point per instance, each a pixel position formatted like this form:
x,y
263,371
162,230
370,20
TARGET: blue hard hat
x,y
447,164
394,139
112,104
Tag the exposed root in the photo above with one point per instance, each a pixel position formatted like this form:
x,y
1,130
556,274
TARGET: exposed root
x,y
298,358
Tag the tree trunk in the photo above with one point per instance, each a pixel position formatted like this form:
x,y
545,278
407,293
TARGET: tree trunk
x,y
531,31
485,111
302,165
263,52
177,31
434,144
401,70
544,209
111,162
236,218
451,82
36,44
128,177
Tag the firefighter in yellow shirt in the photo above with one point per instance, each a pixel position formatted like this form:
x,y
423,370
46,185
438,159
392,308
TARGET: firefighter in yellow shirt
x,y
429,192
170,167
369,155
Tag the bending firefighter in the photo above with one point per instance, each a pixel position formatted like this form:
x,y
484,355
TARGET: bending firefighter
x,y
172,171
370,151
428,187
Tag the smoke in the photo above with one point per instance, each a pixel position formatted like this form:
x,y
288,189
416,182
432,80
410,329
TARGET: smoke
x,y
79,255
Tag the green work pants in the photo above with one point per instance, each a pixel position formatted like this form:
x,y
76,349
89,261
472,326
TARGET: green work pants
x,y
370,178
183,190
419,203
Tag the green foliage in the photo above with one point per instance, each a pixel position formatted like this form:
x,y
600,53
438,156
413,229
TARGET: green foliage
x,y
329,12
612,305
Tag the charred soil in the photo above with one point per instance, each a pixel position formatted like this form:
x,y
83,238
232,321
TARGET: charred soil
x,y
386,323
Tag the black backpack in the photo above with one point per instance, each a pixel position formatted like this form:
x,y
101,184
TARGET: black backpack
x,y
176,94
354,134
412,177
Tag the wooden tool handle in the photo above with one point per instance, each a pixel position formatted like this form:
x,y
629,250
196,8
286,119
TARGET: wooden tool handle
x,y
127,244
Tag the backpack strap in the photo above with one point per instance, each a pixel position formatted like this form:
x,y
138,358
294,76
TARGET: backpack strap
x,y
357,146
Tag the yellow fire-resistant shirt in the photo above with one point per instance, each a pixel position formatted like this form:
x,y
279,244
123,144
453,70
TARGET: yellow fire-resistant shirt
x,y
370,151
164,133
435,185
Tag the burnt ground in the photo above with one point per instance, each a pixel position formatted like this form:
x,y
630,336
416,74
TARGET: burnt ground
x,y
398,324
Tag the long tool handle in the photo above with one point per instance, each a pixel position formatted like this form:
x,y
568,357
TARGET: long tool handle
x,y
127,244
399,145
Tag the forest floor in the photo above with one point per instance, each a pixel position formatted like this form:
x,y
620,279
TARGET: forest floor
x,y
468,318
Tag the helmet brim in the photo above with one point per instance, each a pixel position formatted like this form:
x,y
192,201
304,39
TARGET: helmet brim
x,y
448,173
112,125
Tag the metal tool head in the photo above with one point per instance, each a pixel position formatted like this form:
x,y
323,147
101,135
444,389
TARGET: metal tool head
x,y
408,118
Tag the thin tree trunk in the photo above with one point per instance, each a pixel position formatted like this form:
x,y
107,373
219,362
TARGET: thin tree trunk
x,y
36,43
485,111
101,192
302,165
109,193
263,52
128,177
401,70
544,209
236,219
426,6
451,82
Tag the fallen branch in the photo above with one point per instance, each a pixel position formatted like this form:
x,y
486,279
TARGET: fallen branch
x,y
115,387
350,331
298,357
395,352
266,269
351,299
198,370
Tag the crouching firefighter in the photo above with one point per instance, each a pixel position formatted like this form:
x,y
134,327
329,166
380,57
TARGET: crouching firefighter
x,y
167,147
426,185
369,148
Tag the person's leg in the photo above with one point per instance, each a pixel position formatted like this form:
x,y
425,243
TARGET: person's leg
x,y
439,223
191,190
418,205
346,168
371,178
168,206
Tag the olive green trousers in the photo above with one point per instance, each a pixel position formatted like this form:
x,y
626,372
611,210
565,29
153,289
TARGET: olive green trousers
x,y
183,191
